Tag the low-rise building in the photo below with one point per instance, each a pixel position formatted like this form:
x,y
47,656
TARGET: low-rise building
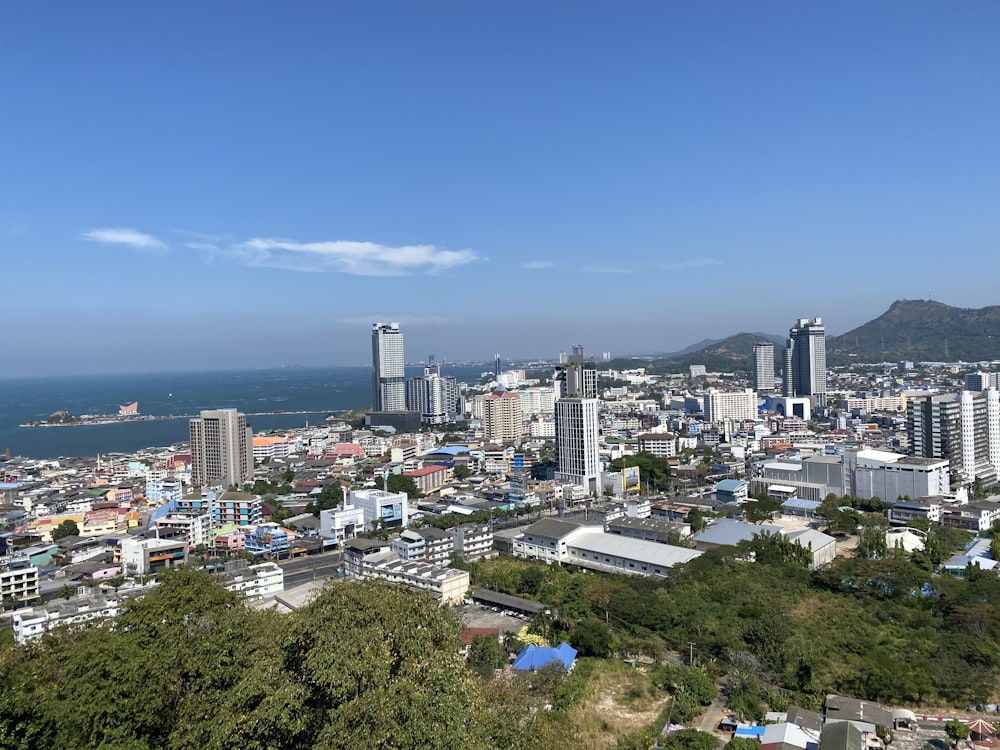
x,y
18,579
371,558
612,553
341,523
975,516
473,541
197,528
388,508
256,582
430,478
141,557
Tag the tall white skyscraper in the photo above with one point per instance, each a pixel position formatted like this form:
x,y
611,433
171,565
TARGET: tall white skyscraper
x,y
577,430
388,380
763,367
805,360
221,448
578,423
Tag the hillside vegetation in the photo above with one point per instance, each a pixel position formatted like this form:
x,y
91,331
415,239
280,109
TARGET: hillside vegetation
x,y
887,630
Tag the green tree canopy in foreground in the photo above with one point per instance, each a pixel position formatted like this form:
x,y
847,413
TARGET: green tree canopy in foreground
x,y
190,665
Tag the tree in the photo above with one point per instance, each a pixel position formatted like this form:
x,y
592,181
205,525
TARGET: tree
x,y
461,472
871,543
654,472
66,528
486,654
329,497
690,739
403,483
742,743
591,637
348,670
696,519
282,514
956,731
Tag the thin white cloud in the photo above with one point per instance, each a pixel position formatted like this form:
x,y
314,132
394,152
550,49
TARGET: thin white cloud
x,y
408,320
621,270
689,263
338,256
343,256
533,264
124,236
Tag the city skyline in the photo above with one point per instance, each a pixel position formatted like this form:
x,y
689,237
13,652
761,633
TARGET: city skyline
x,y
639,178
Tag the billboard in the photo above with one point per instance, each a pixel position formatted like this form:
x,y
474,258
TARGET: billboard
x,y
630,479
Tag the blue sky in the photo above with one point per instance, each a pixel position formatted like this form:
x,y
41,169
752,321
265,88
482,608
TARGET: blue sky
x,y
192,185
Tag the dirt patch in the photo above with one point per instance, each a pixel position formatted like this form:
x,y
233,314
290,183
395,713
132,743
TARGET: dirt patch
x,y
620,699
806,608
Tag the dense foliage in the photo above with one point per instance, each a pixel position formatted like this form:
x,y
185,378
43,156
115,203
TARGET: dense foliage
x,y
191,666
654,472
882,629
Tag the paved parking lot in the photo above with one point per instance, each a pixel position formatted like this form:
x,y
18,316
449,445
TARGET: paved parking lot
x,y
477,616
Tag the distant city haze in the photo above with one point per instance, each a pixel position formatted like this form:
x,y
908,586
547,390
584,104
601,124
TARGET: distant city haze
x,y
255,188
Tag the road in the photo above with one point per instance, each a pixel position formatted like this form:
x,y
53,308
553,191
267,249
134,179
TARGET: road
x,y
310,568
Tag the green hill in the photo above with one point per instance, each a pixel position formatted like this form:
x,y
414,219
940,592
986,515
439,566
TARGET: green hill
x,y
922,331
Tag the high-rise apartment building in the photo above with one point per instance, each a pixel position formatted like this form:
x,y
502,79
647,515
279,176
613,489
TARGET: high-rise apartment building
x,y
577,442
962,427
221,448
435,396
763,367
575,378
503,420
737,406
577,422
805,361
388,380
980,381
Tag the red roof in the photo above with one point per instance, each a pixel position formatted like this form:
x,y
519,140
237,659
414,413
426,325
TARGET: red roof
x,y
471,633
424,471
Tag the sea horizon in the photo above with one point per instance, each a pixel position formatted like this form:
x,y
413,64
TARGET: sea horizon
x,y
278,398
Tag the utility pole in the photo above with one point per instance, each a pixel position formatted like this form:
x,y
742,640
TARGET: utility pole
x,y
691,653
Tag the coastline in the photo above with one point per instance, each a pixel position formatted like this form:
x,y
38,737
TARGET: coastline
x,y
112,419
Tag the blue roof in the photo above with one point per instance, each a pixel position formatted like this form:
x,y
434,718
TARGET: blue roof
x,y
730,485
754,731
536,657
449,450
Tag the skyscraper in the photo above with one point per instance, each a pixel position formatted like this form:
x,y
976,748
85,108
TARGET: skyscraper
x,y
388,380
433,395
575,378
763,367
577,431
221,448
577,423
805,361
962,427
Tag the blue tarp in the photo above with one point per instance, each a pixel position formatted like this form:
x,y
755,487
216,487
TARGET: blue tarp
x,y
536,657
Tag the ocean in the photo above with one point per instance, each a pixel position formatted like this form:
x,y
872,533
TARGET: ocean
x,y
261,394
